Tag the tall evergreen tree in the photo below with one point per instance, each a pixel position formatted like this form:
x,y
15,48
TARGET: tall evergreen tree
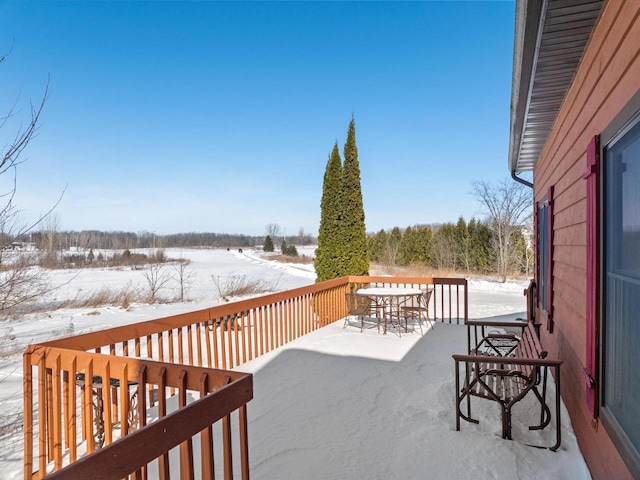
x,y
354,233
329,261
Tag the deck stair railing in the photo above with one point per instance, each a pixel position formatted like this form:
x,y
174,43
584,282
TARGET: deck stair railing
x,y
88,397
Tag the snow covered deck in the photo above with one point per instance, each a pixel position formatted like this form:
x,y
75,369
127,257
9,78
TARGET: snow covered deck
x,y
328,401
338,403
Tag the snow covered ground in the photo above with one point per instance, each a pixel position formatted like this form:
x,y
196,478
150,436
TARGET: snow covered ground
x,y
336,403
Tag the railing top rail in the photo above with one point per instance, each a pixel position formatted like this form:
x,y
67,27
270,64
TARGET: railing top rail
x,y
79,361
395,279
89,341
114,335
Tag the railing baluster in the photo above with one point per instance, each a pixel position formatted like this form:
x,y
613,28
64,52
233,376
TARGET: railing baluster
x,y
137,346
163,460
42,414
262,329
223,342
72,418
199,343
27,379
181,359
66,412
207,337
49,413
190,343
243,331
87,403
57,414
186,447
226,448
108,404
214,334
142,408
124,400
236,338
206,438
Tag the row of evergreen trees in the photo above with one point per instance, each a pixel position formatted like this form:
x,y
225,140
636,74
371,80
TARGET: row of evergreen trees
x,y
462,246
285,248
342,241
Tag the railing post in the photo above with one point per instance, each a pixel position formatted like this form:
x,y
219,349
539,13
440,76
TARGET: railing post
x,y
27,385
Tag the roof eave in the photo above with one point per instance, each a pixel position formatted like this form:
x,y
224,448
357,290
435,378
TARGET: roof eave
x,y
549,41
527,26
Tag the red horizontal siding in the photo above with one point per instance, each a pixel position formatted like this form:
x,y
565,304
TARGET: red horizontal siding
x,y
607,78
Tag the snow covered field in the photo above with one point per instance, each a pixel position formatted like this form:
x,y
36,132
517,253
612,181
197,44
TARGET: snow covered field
x,y
336,403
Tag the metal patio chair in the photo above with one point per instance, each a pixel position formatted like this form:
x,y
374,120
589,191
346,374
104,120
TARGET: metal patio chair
x,y
358,306
419,311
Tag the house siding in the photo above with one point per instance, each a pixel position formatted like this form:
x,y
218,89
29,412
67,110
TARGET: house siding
x,y
607,78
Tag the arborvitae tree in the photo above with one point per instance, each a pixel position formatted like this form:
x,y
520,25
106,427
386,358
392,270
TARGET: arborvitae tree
x,y
329,262
354,233
283,247
268,244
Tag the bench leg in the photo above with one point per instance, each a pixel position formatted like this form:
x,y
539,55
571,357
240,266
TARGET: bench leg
x,y
461,393
506,421
457,377
558,423
545,412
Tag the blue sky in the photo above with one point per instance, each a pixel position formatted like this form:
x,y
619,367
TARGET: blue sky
x,y
220,116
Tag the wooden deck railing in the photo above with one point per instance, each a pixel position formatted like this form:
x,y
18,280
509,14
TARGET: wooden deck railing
x,y
117,379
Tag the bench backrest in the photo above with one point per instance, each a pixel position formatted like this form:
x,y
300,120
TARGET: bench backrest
x,y
529,346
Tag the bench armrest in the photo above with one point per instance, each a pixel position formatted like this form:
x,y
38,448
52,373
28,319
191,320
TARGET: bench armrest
x,y
489,323
504,336
542,362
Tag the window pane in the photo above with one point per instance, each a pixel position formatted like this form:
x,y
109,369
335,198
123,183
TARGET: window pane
x,y
622,355
623,204
622,284
543,255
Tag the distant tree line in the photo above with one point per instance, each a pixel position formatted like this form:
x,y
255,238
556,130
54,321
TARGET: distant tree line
x,y
52,240
463,246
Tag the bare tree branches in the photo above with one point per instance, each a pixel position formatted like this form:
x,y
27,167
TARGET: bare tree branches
x,y
21,282
273,230
10,156
184,276
507,204
157,278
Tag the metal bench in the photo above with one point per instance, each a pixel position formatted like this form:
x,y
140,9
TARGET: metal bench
x,y
133,421
505,367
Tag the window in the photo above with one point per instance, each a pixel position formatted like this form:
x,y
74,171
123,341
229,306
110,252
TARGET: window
x,y
544,211
621,289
